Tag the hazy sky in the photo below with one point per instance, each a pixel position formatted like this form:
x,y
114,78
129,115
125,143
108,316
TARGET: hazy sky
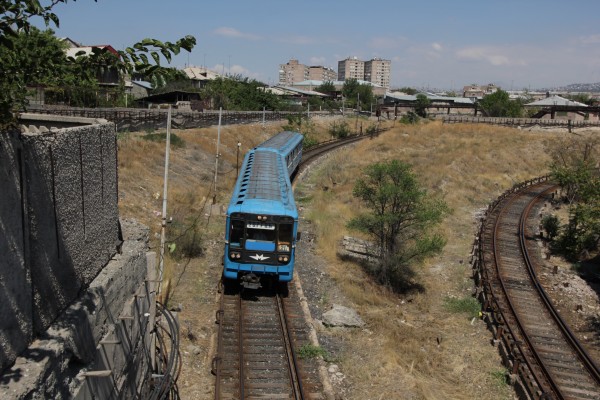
x,y
436,43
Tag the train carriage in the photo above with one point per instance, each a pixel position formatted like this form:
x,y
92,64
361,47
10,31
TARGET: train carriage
x,y
289,146
262,219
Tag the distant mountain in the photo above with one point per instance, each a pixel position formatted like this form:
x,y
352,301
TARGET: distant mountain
x,y
577,87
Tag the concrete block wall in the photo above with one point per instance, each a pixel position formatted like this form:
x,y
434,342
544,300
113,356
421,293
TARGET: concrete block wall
x,y
99,347
58,221
16,301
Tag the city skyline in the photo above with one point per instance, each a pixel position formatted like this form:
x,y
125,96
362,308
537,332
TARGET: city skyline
x,y
438,44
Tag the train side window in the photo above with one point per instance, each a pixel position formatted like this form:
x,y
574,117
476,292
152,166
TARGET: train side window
x,y
237,233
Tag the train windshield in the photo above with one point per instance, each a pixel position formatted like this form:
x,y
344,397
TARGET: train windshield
x,y
260,231
249,231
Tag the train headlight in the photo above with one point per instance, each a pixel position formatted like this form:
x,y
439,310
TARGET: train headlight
x,y
234,255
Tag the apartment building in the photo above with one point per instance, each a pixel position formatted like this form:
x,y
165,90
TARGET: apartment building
x,y
377,71
478,91
320,73
292,72
351,68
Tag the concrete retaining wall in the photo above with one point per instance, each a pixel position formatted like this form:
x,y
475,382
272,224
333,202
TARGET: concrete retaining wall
x,y
58,221
98,347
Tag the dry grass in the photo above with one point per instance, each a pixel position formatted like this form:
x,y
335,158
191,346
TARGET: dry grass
x,y
414,347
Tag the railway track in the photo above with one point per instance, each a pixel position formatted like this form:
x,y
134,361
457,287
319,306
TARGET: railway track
x,y
537,343
260,334
315,152
261,331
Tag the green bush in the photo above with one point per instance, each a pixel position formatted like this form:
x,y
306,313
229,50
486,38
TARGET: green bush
x,y
339,130
409,118
185,239
308,351
309,142
551,225
176,141
371,129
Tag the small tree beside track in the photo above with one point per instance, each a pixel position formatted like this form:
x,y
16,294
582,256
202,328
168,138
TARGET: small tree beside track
x,y
400,220
575,167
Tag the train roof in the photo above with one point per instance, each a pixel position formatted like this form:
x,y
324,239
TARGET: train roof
x,y
283,142
263,185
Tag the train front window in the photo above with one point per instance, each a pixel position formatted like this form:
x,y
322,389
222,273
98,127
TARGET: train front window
x,y
237,233
284,237
260,231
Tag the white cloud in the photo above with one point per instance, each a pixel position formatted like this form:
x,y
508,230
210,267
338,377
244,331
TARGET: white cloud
x,y
235,70
317,60
302,40
591,39
490,55
436,46
234,33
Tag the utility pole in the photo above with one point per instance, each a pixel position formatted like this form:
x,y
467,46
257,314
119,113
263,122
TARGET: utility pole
x,y
237,161
163,225
217,155
357,112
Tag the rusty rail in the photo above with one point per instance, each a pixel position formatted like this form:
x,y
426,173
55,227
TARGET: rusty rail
x,y
499,275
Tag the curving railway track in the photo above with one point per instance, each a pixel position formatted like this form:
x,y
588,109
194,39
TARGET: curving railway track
x,y
535,342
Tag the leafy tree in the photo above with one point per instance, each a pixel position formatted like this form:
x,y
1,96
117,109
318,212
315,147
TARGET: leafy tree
x,y
498,104
315,103
16,28
36,59
421,105
584,98
327,88
400,219
355,93
574,166
408,90
16,16
237,93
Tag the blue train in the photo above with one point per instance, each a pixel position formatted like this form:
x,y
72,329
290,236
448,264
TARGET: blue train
x,y
262,220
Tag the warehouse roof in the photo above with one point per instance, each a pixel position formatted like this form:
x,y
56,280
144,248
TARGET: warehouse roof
x,y
556,101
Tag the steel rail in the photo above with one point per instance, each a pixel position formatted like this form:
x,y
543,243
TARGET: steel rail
x,y
241,344
519,270
218,360
568,335
548,380
292,361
